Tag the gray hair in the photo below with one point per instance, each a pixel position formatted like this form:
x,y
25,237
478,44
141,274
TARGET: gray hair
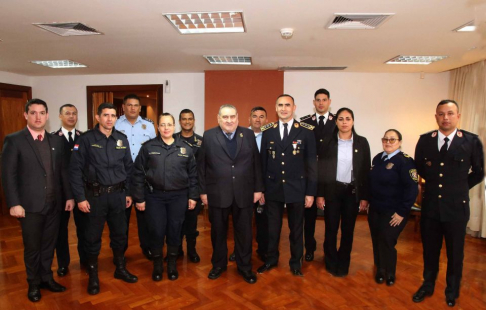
x,y
227,106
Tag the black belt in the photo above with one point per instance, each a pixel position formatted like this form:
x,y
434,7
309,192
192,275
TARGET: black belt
x,y
345,185
102,189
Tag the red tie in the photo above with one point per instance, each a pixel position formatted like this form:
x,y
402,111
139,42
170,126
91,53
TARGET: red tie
x,y
39,137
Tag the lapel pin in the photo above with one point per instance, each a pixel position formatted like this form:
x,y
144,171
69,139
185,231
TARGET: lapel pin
x,y
434,134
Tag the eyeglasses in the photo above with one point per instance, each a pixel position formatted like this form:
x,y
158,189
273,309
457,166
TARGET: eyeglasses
x,y
391,140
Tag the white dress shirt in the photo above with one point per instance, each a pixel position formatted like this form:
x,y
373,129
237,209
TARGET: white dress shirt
x,y
281,127
441,141
345,160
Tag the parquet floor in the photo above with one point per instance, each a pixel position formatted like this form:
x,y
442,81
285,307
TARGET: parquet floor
x,y
276,289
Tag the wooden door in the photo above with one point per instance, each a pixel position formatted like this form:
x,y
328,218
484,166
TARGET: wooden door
x,y
12,105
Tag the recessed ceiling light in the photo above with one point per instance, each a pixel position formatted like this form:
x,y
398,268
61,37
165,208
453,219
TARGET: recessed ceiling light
x,y
414,60
59,64
364,21
68,29
466,27
229,60
207,22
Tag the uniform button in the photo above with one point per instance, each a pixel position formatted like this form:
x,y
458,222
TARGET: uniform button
x,y
45,187
442,164
440,196
283,163
462,159
283,181
283,172
441,175
283,154
463,201
45,175
233,177
440,185
233,166
320,140
132,134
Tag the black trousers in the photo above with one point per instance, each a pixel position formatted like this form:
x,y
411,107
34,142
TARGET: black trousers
x,y
242,226
295,215
189,227
310,217
106,208
384,238
143,232
39,234
433,232
62,245
81,219
164,215
261,222
343,209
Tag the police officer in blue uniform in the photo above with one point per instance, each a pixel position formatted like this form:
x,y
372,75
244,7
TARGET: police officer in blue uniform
x,y
138,130
393,190
451,161
101,166
323,122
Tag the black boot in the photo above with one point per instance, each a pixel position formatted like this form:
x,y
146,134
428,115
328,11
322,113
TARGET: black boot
x,y
158,267
180,254
121,271
92,270
191,250
172,253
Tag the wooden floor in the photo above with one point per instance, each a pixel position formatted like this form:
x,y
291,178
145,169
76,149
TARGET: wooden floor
x,y
276,289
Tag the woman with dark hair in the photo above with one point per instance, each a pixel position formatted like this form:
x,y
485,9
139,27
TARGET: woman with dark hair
x,y
343,167
393,189
165,186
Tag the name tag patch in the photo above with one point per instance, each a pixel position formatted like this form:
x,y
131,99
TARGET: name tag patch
x,y
93,145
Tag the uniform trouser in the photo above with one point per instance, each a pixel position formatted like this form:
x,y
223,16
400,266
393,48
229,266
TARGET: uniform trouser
x,y
143,232
164,215
295,216
81,218
343,209
433,231
384,238
62,245
261,222
310,217
39,234
110,208
242,226
189,227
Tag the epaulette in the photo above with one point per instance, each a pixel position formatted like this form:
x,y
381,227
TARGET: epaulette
x,y
148,120
466,132
303,118
267,126
429,132
307,126
186,142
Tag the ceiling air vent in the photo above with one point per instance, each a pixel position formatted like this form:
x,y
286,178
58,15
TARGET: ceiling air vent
x,y
69,29
228,60
311,68
358,20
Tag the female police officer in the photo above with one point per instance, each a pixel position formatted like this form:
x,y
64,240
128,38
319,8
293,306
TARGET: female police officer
x,y
393,184
164,186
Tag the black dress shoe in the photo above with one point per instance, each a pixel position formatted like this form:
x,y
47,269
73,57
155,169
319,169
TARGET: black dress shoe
x,y
232,257
53,286
216,273
62,271
248,276
451,302
194,258
261,256
147,253
420,295
266,267
296,272
309,256
34,293
379,278
340,274
390,280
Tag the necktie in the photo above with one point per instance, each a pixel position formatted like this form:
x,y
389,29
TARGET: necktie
x,y
39,137
384,158
443,149
228,134
70,139
286,132
321,122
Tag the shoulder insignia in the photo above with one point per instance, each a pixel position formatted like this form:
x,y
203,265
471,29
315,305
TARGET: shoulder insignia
x,y
429,132
305,117
268,126
78,132
330,116
459,134
296,125
148,120
406,155
413,175
307,126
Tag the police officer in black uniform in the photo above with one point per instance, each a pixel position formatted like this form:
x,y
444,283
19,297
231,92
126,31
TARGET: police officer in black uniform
x,y
451,161
323,123
165,186
289,163
393,189
101,166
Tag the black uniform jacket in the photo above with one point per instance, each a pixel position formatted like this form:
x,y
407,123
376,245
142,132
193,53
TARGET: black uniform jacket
x,y
289,168
225,179
97,158
195,142
393,184
322,135
448,180
165,169
24,177
327,163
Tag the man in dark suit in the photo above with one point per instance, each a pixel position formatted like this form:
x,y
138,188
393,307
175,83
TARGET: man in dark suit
x,y
34,174
324,123
230,181
68,114
451,161
288,152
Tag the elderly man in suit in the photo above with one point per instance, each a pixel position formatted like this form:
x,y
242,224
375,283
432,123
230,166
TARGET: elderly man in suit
x,y
34,171
230,181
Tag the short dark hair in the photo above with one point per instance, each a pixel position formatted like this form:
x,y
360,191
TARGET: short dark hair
x,y
35,101
446,101
130,96
322,91
67,105
166,114
336,129
285,95
258,109
105,105
397,132
186,111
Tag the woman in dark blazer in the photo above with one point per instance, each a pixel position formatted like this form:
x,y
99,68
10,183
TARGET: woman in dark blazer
x,y
393,189
343,167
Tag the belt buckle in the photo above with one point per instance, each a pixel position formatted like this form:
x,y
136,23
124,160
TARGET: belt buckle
x,y
109,189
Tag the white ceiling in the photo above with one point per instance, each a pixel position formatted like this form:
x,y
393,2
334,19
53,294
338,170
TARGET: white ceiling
x,y
138,39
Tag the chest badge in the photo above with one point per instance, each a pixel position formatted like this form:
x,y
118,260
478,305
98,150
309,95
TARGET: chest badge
x,y
144,126
294,145
183,150
119,143
389,166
